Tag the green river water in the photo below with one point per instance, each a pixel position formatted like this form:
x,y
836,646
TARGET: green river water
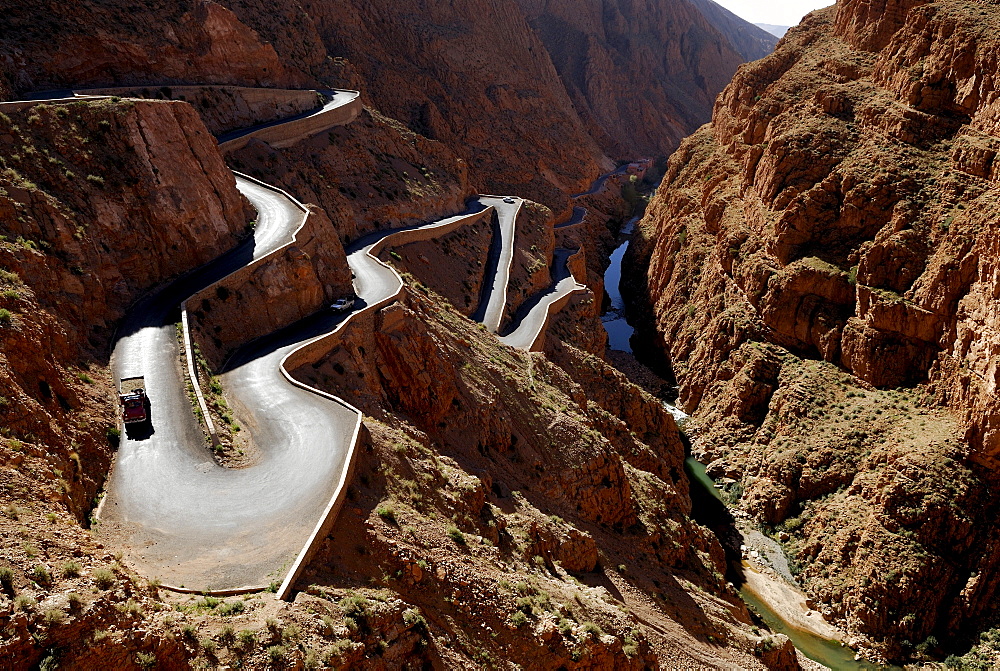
x,y
830,653
824,651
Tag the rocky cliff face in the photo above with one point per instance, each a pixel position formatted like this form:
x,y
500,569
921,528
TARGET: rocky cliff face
x,y
373,173
103,43
682,52
838,209
103,201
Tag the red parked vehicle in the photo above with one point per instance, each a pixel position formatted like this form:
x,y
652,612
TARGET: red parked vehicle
x,y
133,399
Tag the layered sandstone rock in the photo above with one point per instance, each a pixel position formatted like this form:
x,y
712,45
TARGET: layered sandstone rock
x,y
98,43
839,208
489,477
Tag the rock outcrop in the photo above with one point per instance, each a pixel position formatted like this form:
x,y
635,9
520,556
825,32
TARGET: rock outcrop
x,y
45,46
128,194
839,208
683,53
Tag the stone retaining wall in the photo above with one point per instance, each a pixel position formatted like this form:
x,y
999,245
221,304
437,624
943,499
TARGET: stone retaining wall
x,y
294,131
226,108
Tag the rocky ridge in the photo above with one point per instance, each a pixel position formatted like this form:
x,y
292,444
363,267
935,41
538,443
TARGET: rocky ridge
x,y
834,218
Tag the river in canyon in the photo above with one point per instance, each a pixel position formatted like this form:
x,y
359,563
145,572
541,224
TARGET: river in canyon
x,y
705,493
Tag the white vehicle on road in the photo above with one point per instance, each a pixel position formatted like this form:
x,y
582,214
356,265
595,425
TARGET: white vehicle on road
x,y
508,200
342,304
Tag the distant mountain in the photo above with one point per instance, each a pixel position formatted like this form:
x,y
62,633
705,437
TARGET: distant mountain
x,y
777,31
749,41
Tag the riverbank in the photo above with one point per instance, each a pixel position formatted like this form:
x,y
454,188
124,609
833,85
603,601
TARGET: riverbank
x,y
787,601
769,588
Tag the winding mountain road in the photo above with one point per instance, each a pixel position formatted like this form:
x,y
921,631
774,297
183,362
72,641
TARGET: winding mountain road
x,y
494,299
199,526
190,521
533,315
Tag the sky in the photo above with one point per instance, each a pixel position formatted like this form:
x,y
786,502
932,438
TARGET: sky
x,y
777,12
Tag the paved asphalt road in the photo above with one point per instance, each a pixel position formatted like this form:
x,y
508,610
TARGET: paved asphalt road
x,y
189,521
333,99
494,298
599,182
532,315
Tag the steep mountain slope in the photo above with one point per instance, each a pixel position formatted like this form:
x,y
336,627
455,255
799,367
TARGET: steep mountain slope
x,y
643,75
828,238
50,45
534,96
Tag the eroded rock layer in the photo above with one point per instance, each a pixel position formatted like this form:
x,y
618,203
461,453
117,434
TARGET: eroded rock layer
x,y
838,216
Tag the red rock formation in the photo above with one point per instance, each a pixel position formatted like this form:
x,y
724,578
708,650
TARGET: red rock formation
x,y
134,193
642,75
47,45
840,208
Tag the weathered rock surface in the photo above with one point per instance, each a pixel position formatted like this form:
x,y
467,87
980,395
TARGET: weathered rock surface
x,y
101,43
683,52
840,208
133,192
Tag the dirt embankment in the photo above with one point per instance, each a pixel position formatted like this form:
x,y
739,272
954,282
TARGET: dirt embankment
x,y
100,203
820,265
562,497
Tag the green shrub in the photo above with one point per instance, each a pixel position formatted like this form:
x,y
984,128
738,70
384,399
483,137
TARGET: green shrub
x,y
277,654
291,633
455,534
40,574
387,513
592,629
145,660
246,637
227,608
130,607
24,602
54,616
227,635
5,317
413,618
103,578
208,602
518,619
75,601
7,577
71,569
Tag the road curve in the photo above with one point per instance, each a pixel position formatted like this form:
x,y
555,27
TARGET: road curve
x,y
189,521
494,298
599,182
533,316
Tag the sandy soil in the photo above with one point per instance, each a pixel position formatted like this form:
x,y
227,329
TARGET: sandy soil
x,y
787,601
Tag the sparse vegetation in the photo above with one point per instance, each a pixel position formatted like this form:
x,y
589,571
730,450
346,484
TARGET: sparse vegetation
x,y
71,569
103,578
